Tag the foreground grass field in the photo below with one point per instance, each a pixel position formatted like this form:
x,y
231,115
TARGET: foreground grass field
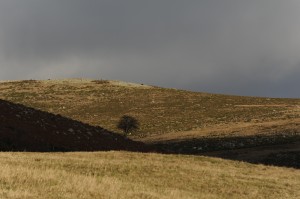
x,y
137,175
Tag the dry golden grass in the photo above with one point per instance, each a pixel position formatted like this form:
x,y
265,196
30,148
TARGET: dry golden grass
x,y
164,114
137,175
238,129
159,110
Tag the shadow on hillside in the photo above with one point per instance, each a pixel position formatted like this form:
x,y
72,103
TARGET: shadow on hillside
x,y
279,150
26,129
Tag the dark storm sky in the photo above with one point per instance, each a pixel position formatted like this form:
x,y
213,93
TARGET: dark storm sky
x,y
243,47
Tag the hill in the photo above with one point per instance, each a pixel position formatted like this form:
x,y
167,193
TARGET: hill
x,y
66,115
139,175
172,121
27,129
163,113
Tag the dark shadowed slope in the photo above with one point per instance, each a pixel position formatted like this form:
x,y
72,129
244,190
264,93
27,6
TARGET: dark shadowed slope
x,y
27,129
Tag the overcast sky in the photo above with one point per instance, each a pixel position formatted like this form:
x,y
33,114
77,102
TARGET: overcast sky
x,y
243,47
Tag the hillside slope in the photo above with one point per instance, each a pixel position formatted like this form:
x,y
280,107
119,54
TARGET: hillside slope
x,y
28,129
160,111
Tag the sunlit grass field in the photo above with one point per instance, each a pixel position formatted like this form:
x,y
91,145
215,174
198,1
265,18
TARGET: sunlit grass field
x,y
137,175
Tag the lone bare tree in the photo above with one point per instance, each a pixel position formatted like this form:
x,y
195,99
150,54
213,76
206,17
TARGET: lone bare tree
x,y
128,124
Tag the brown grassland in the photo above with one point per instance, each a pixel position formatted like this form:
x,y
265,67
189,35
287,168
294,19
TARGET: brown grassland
x,y
139,175
165,115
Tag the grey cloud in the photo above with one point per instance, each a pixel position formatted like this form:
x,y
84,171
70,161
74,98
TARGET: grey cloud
x,y
223,46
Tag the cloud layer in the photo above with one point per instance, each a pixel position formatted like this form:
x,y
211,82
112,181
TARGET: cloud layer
x,y
223,46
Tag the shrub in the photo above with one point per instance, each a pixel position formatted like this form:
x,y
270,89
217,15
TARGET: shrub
x,y
128,124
